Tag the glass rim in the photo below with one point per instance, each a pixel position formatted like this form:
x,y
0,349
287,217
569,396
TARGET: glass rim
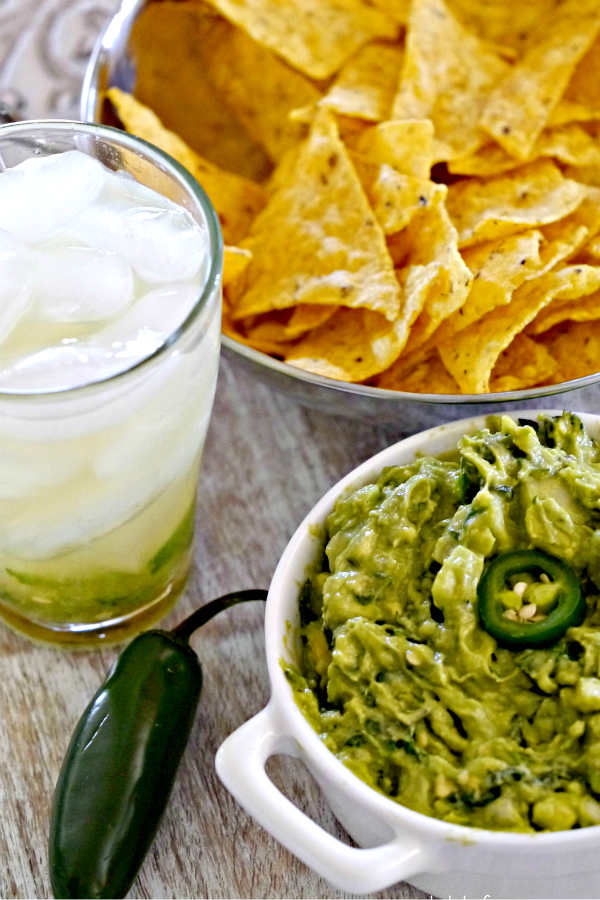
x,y
167,163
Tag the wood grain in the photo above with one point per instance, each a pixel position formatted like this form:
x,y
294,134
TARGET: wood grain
x,y
266,462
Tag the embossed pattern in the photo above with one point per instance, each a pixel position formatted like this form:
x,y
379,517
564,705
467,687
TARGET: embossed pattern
x,y
44,48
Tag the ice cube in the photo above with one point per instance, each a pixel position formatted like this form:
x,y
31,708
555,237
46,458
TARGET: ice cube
x,y
99,226
93,507
10,246
80,284
151,319
41,195
157,434
121,187
71,518
15,283
15,297
57,368
172,406
64,366
165,244
162,245
82,414
171,427
24,473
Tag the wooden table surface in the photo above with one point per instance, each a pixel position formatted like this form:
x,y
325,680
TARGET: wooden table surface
x,y
266,462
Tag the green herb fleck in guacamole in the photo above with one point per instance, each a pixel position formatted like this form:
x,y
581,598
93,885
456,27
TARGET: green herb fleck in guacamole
x,y
397,674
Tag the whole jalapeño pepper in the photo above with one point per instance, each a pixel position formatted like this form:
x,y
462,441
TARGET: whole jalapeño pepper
x,y
553,579
121,763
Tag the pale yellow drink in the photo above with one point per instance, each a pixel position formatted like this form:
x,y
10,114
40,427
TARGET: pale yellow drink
x,y
101,424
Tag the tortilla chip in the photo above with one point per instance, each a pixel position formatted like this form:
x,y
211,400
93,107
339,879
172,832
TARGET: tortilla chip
x,y
519,107
317,240
396,198
237,200
583,90
350,128
198,115
283,170
498,268
566,238
471,355
407,361
589,175
560,244
582,309
284,326
397,9
235,260
491,159
313,36
236,333
523,364
353,345
385,167
405,144
428,377
287,325
535,194
570,144
567,111
502,23
259,87
447,76
591,251
576,348
366,85
502,265
435,270
303,318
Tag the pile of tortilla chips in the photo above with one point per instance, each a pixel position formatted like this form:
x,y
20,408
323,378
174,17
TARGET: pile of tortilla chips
x,y
409,190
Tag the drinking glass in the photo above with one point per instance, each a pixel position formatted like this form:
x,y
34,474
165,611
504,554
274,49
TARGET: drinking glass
x,y
98,482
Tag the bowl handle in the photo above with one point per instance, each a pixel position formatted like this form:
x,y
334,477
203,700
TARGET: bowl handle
x,y
240,764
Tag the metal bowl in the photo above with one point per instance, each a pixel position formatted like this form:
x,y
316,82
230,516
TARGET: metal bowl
x,y
111,65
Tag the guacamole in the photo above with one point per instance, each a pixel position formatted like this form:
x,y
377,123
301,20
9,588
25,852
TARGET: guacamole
x,y
398,674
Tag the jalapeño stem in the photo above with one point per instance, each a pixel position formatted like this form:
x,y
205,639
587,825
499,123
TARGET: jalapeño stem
x,y
185,629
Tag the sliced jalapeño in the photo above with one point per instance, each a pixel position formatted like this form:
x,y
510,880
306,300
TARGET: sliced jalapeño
x,y
507,594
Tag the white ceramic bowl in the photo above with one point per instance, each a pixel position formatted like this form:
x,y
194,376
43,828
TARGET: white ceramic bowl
x,y
439,858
